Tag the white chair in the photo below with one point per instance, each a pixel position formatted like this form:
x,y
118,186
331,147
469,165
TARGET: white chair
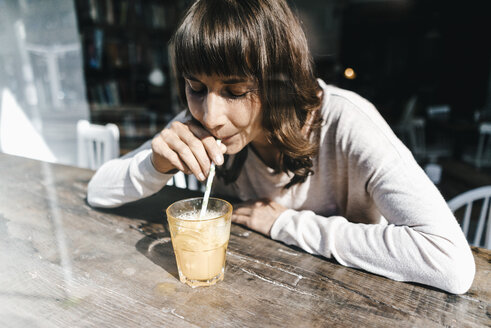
x,y
482,155
404,127
439,112
416,137
421,149
408,114
441,145
422,152
96,144
183,181
480,197
411,129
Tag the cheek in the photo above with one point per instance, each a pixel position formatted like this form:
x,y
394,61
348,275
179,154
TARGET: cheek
x,y
248,116
194,106
241,118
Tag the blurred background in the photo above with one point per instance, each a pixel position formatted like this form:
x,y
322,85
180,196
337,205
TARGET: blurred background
x,y
426,65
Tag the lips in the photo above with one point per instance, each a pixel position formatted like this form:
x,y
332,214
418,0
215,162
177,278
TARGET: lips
x,y
225,139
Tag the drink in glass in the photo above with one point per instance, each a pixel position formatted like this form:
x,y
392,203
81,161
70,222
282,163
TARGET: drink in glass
x,y
200,245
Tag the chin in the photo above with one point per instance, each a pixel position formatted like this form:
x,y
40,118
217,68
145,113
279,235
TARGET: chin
x,y
235,143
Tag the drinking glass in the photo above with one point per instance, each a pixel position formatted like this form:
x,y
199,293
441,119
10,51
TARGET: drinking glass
x,y
200,245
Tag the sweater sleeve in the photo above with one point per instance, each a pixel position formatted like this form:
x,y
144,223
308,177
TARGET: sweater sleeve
x,y
422,241
129,178
125,179
402,253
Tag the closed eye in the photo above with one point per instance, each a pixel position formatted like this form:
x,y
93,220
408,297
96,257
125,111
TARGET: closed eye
x,y
200,91
241,93
195,88
236,95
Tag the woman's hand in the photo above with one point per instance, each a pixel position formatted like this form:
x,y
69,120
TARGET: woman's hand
x,y
187,147
258,215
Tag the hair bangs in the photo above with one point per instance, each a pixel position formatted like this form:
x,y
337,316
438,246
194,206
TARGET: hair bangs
x,y
214,42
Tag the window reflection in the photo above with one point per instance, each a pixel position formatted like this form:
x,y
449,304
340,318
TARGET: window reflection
x,y
41,70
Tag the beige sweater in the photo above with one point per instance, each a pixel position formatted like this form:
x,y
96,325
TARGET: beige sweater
x,y
368,205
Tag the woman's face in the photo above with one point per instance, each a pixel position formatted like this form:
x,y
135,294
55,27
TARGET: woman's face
x,y
228,107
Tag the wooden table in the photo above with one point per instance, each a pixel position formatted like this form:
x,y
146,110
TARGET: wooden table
x,y
64,264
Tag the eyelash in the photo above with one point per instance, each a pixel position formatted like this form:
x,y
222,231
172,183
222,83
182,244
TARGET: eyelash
x,y
196,92
230,94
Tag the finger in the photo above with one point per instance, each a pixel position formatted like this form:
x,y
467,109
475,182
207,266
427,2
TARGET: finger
x,y
240,219
214,151
183,150
165,159
242,209
174,159
198,130
197,148
187,156
242,215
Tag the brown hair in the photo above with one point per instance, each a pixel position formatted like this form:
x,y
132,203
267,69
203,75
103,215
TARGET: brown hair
x,y
263,40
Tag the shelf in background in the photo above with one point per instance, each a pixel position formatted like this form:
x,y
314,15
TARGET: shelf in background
x,y
124,41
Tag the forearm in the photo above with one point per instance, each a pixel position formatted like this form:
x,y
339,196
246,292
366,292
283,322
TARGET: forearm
x,y
438,258
124,180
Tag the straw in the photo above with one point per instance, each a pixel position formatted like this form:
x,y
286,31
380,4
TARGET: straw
x,y
209,181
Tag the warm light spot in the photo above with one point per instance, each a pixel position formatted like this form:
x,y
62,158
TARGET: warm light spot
x,y
349,73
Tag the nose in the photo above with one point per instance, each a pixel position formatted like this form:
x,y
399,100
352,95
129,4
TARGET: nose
x,y
214,112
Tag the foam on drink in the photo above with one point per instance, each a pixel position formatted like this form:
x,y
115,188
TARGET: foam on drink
x,y
195,215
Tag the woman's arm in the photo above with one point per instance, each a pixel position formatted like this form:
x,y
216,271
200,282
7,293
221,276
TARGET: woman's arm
x,y
422,241
422,253
129,178
126,179
182,145
432,255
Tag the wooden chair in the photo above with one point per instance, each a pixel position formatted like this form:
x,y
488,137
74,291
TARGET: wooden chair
x,y
479,196
96,144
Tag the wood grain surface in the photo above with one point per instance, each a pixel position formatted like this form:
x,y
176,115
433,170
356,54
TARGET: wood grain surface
x,y
65,264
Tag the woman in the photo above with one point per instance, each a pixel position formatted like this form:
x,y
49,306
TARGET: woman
x,y
315,166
